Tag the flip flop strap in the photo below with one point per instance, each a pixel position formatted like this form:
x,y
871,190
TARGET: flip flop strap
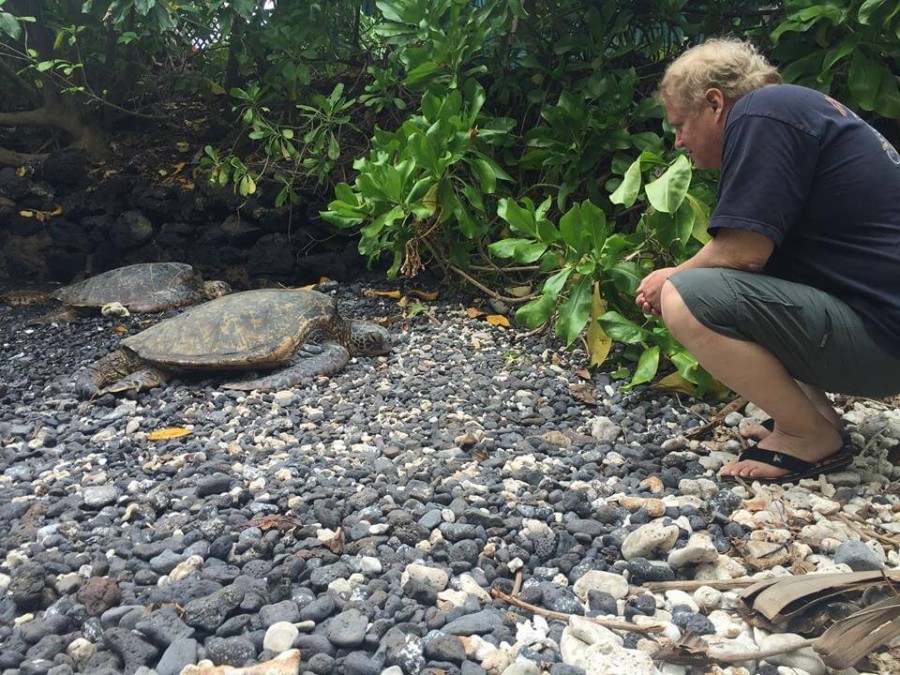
x,y
776,459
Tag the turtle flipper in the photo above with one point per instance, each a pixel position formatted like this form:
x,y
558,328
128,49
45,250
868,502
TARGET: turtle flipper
x,y
92,380
145,378
308,362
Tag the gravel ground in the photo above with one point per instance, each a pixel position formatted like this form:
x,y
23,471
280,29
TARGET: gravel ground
x,y
360,524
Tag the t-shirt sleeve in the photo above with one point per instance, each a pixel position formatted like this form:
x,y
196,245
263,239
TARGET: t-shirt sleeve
x,y
767,171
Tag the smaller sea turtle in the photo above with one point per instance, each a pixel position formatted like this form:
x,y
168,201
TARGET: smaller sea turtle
x,y
144,287
297,333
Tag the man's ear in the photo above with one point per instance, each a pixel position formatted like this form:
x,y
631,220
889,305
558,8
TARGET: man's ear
x,y
715,99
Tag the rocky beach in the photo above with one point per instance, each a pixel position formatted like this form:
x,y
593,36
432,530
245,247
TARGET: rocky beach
x,y
473,502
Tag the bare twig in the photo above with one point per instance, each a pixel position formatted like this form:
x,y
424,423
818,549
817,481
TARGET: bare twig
x,y
706,427
723,585
562,616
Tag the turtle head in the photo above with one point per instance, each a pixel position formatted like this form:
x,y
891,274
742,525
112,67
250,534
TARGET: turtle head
x,y
215,289
369,339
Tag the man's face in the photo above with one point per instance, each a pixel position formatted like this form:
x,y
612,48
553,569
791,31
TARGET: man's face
x,y
700,130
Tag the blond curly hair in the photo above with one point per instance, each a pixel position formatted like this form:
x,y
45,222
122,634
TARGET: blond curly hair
x,y
733,66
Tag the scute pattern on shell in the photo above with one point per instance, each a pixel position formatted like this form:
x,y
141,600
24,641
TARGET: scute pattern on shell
x,y
175,283
260,328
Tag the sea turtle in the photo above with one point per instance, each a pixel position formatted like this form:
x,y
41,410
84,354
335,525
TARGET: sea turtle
x,y
144,287
298,333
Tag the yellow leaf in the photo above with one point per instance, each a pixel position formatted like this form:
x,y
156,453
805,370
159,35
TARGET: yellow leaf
x,y
429,296
371,292
162,172
178,167
20,171
519,291
497,320
120,329
675,382
57,211
183,146
167,433
403,302
599,343
322,280
26,214
216,88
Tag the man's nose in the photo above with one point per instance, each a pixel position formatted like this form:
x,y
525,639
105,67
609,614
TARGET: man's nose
x,y
679,143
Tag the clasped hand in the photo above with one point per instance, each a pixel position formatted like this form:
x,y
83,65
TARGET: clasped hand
x,y
650,290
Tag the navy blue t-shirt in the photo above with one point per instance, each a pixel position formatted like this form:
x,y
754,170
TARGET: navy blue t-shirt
x,y
805,171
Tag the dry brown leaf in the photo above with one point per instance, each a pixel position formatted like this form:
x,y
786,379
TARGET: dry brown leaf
x,y
497,320
784,598
583,392
336,543
583,373
850,639
168,433
475,313
120,329
371,293
428,296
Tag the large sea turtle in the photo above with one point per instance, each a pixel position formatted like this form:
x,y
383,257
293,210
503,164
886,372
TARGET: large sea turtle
x,y
296,331
145,287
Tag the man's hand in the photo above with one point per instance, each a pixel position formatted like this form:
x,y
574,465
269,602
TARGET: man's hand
x,y
650,289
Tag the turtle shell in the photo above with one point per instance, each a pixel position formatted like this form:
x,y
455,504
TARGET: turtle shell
x,y
162,284
252,329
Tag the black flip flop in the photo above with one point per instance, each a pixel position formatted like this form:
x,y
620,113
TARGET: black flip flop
x,y
798,468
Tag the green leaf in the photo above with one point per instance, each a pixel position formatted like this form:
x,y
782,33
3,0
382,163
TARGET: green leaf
x,y
867,9
622,329
9,25
475,98
485,175
593,219
626,194
575,312
701,219
519,219
506,248
554,285
536,312
667,192
421,73
143,7
572,229
334,149
647,366
530,252
546,231
424,152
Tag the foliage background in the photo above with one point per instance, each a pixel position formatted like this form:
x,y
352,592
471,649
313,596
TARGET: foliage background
x,y
509,144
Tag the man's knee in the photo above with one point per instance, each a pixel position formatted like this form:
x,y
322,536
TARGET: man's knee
x,y
671,304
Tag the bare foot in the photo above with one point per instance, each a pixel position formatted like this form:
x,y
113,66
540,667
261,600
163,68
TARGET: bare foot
x,y
824,444
758,431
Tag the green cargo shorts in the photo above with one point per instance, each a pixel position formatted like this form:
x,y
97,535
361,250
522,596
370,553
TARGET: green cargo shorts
x,y
820,340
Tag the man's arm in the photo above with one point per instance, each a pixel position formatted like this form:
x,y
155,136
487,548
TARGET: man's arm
x,y
732,249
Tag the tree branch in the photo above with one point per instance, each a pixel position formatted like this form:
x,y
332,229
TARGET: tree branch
x,y
12,158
